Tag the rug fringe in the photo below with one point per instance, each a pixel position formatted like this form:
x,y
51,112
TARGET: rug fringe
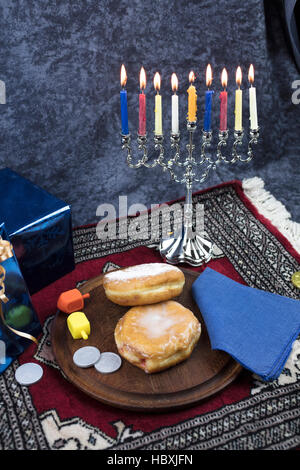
x,y
272,209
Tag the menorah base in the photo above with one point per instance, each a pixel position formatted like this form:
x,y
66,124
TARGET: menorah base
x,y
181,248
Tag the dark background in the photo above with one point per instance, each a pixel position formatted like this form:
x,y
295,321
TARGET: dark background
x,y
61,61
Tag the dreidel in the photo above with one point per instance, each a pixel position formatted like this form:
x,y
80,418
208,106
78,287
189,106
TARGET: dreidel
x,y
78,325
71,301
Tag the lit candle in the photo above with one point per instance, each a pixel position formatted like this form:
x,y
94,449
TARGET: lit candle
x,y
208,100
158,106
142,103
192,100
238,101
223,98
175,105
123,99
252,100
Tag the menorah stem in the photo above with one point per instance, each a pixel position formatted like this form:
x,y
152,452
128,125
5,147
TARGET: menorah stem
x,y
188,209
188,212
186,245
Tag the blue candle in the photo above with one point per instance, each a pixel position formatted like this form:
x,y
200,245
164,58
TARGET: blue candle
x,y
123,99
124,112
208,100
207,114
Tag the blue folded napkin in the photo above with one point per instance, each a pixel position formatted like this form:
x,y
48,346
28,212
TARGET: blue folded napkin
x,y
255,327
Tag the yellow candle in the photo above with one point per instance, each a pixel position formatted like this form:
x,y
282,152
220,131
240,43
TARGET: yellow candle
x,y
192,99
158,106
238,102
158,115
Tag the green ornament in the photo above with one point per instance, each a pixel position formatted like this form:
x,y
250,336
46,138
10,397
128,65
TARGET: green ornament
x,y
19,316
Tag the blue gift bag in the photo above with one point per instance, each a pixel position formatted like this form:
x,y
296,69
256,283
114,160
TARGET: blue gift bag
x,y
40,229
18,319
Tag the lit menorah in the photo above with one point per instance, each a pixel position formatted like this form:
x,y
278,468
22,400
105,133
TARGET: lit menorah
x,y
186,245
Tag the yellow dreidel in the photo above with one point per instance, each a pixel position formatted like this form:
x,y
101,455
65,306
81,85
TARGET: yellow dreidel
x,y
78,325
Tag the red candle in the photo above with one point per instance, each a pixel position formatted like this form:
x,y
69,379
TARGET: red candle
x,y
223,105
142,103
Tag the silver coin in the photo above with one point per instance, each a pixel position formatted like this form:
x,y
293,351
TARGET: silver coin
x,y
28,374
109,362
86,356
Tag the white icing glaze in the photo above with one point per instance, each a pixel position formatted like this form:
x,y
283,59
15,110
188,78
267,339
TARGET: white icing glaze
x,y
156,321
142,270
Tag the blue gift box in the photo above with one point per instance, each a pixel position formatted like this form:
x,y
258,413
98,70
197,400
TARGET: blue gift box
x,y
40,229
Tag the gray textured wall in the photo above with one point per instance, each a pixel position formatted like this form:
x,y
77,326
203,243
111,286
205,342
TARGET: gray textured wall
x,y
61,62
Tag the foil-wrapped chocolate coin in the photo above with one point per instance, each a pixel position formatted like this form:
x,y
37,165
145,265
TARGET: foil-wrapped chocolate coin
x,y
86,356
28,374
109,362
296,279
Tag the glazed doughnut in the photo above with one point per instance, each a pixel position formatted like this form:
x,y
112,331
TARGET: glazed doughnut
x,y
156,337
143,284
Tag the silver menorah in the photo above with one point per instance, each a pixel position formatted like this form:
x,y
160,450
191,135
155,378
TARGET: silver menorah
x,y
185,246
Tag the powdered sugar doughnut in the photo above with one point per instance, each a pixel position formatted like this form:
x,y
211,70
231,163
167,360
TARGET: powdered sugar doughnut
x,y
156,337
143,284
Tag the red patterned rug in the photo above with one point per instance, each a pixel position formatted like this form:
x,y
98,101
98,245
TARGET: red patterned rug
x,y
248,414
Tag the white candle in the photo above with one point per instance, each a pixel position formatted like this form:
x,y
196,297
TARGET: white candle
x,y
238,126
158,106
175,105
253,108
252,100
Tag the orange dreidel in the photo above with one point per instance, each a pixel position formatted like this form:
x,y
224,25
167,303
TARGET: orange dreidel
x,y
71,301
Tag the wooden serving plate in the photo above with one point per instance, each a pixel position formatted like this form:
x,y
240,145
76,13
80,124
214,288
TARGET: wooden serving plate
x,y
205,373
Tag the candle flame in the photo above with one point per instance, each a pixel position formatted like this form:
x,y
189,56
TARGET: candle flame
x,y
238,76
123,76
208,75
174,82
156,81
224,78
192,77
143,79
251,74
